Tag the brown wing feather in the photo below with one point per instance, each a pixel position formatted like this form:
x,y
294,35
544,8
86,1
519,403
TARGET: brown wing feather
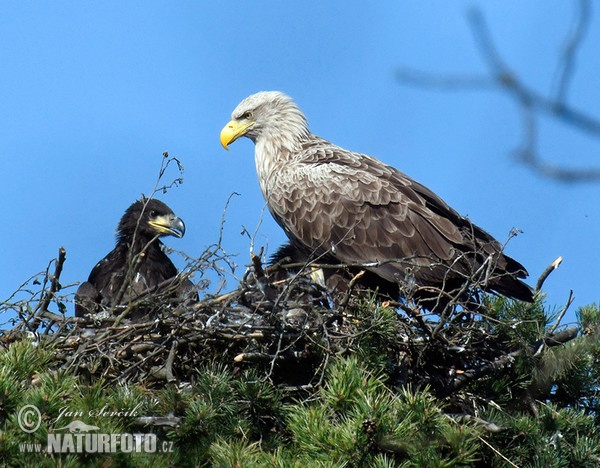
x,y
361,210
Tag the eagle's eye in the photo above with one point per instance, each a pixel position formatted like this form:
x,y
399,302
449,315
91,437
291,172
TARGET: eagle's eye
x,y
247,115
153,214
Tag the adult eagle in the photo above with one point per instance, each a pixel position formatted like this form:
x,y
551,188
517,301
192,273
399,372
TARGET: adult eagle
x,y
137,264
353,208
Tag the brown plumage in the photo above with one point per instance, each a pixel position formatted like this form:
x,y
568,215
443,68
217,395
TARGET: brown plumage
x,y
137,265
357,210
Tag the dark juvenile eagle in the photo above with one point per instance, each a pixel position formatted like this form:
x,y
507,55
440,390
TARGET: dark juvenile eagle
x,y
353,208
138,263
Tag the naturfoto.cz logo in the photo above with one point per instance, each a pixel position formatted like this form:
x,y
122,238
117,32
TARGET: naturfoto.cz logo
x,y
80,437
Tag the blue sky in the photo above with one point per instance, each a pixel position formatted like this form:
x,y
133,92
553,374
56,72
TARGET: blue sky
x,y
94,92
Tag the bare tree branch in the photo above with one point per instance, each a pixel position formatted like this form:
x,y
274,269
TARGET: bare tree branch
x,y
566,66
553,266
531,103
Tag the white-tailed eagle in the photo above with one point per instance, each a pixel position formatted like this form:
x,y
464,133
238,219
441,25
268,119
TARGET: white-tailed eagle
x,y
354,209
137,265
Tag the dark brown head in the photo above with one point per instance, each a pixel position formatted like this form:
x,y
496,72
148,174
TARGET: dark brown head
x,y
148,218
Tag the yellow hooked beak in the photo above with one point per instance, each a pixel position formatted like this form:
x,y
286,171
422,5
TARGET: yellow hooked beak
x,y
233,130
168,225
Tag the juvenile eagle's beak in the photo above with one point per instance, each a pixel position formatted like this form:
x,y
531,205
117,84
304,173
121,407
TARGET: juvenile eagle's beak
x,y
233,130
168,225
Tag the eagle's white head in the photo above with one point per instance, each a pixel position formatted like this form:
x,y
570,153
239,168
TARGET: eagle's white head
x,y
274,123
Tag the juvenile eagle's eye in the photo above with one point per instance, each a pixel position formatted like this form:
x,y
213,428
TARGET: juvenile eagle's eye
x,y
153,214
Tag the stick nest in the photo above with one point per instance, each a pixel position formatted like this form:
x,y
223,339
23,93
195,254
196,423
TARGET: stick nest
x,y
287,328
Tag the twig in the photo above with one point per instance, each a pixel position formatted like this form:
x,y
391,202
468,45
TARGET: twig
x,y
495,450
562,313
472,374
487,425
169,363
54,287
566,65
350,289
562,337
553,266
54,284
